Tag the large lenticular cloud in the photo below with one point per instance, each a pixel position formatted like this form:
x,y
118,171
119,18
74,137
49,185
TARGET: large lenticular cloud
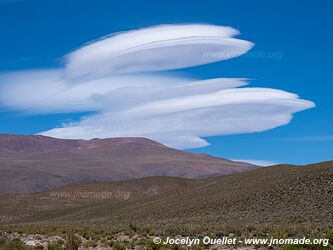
x,y
158,48
119,78
181,122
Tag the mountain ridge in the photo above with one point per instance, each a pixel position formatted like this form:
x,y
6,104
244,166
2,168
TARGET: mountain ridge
x,y
33,163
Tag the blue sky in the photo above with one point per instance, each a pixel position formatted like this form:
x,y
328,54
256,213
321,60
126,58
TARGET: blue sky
x,y
292,52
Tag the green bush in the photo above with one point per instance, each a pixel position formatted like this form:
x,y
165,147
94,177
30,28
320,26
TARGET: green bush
x,y
2,241
58,245
15,244
153,246
329,236
117,245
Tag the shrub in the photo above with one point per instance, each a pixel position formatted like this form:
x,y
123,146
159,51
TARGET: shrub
x,y
89,244
117,245
58,245
329,236
2,240
153,246
72,242
15,244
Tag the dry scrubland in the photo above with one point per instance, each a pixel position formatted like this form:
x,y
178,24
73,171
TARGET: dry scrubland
x,y
72,241
279,201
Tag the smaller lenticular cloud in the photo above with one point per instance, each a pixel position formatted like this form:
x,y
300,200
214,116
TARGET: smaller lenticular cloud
x,y
158,48
262,163
119,78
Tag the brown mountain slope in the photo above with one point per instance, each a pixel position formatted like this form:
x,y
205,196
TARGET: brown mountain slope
x,y
86,196
279,195
30,163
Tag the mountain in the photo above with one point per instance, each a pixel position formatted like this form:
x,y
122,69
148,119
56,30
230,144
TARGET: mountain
x,y
292,196
33,163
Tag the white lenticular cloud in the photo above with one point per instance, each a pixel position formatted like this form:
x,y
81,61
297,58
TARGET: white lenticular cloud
x,y
47,91
114,78
158,48
181,123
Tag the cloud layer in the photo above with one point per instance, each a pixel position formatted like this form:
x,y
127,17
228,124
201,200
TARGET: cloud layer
x,y
158,48
119,78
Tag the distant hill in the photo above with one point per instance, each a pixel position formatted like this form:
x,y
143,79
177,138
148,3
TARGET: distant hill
x,y
282,194
33,163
